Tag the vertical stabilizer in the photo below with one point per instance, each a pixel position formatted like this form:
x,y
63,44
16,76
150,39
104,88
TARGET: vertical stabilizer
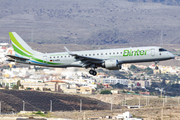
x,y
20,46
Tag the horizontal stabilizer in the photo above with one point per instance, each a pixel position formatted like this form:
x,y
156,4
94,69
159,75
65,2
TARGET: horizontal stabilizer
x,y
16,57
11,60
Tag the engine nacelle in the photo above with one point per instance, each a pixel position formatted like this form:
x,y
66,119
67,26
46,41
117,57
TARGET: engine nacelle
x,y
111,65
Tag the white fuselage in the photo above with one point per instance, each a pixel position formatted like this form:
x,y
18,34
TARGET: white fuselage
x,y
123,55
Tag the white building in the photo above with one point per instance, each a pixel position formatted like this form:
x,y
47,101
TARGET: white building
x,y
126,116
115,81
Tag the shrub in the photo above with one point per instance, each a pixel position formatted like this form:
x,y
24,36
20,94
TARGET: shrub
x,y
105,92
15,87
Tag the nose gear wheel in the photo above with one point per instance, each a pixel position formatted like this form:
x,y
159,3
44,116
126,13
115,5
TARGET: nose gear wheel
x,y
156,63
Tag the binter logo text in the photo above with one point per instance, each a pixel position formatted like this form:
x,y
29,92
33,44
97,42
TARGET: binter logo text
x,y
134,52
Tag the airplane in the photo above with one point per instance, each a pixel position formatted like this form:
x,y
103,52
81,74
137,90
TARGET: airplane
x,y
111,59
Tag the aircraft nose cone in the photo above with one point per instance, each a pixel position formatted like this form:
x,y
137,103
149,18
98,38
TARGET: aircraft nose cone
x,y
172,55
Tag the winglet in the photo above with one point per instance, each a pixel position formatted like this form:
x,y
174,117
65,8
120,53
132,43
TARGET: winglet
x,y
70,53
67,50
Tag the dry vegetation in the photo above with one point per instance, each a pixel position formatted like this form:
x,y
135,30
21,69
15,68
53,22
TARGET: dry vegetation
x,y
153,111
12,101
169,113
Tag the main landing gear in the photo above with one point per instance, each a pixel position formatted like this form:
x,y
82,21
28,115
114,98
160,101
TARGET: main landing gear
x,y
156,63
93,72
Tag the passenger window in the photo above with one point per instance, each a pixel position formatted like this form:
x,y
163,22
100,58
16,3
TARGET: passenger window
x,y
113,53
98,54
54,56
110,53
93,54
50,57
57,56
89,54
61,56
101,53
117,52
106,53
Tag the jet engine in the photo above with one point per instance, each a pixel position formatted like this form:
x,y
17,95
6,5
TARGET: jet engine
x,y
111,65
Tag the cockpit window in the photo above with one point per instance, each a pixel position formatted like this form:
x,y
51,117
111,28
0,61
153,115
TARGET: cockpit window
x,y
161,50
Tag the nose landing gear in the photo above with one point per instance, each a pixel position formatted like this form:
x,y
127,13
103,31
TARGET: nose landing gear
x,y
156,63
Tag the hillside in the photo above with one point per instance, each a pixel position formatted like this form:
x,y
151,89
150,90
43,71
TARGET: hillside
x,y
11,100
132,22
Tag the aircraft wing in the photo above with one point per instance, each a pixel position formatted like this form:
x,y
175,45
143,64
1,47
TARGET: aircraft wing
x,y
87,61
92,59
16,57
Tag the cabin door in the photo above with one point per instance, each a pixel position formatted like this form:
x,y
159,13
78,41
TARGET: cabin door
x,y
153,52
45,59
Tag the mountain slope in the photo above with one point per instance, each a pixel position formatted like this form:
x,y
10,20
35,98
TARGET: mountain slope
x,y
90,22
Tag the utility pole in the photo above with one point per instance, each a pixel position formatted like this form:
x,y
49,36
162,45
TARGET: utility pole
x,y
84,115
162,114
163,102
0,107
131,86
111,104
50,105
139,103
125,99
146,100
122,101
23,105
80,105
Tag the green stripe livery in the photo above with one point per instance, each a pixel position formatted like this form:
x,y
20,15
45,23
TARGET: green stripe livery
x,y
17,43
32,57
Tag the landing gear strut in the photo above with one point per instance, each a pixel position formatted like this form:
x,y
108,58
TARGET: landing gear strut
x,y
93,72
156,63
